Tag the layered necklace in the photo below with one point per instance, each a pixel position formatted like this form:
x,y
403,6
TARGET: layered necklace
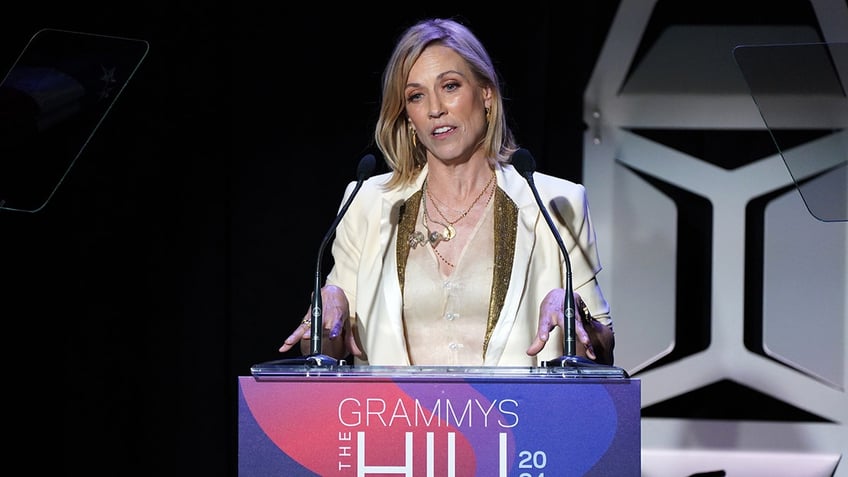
x,y
433,238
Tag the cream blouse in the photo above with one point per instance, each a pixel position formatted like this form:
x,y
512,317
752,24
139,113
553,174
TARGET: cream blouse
x,y
445,316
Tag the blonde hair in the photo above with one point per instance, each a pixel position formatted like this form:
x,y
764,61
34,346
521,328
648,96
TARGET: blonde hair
x,y
392,134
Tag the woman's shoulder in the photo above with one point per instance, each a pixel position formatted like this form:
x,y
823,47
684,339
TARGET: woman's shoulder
x,y
373,186
374,191
550,185
555,181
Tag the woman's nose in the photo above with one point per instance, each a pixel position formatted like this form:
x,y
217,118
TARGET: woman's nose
x,y
436,108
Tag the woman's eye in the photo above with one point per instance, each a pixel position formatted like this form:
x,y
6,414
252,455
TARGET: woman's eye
x,y
413,97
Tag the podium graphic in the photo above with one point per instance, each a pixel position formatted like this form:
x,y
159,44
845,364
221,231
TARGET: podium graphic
x,y
436,421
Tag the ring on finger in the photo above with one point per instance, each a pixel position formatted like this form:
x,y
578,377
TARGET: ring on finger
x,y
306,321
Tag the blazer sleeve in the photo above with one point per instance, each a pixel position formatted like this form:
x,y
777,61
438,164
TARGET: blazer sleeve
x,y
569,208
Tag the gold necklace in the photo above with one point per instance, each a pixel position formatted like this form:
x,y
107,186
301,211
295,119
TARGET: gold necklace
x,y
433,238
450,231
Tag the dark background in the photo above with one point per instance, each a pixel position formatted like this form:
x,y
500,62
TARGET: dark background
x,y
181,247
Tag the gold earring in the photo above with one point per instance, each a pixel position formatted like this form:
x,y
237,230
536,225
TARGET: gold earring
x,y
414,136
488,115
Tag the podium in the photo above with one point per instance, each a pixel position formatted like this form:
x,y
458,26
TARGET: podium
x,y
436,421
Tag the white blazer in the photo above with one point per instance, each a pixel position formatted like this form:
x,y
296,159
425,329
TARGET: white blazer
x,y
365,266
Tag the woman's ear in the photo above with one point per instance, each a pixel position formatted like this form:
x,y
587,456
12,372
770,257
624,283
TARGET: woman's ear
x,y
487,97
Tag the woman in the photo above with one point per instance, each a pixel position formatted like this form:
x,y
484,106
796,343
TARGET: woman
x,y
447,260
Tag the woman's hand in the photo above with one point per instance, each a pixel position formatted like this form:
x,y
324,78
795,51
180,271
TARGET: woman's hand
x,y
595,341
335,322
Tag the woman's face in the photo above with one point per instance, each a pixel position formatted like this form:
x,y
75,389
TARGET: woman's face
x,y
446,105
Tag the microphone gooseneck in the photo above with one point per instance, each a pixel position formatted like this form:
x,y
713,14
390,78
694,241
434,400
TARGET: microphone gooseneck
x,y
524,163
363,171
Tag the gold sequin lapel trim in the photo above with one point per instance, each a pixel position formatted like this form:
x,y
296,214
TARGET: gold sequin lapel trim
x,y
406,226
506,226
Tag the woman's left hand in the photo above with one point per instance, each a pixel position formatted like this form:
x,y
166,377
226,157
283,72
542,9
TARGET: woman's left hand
x,y
595,341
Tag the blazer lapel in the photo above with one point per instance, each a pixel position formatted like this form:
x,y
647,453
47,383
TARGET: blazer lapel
x,y
515,220
396,205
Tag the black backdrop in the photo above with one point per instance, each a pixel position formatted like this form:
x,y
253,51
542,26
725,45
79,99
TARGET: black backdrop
x,y
181,247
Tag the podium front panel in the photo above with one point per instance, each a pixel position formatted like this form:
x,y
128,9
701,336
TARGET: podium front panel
x,y
424,424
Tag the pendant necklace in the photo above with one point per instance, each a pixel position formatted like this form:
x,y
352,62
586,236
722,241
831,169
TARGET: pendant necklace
x,y
449,231
432,237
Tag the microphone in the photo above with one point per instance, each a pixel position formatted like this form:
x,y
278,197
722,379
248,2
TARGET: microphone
x,y
315,358
363,171
524,163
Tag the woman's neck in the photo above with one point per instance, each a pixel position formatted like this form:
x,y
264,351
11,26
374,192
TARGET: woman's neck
x,y
458,185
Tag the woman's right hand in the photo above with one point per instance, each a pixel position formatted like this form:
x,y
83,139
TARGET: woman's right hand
x,y
337,336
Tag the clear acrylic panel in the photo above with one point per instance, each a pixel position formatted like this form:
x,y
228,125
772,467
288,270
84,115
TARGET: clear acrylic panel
x,y
800,91
52,101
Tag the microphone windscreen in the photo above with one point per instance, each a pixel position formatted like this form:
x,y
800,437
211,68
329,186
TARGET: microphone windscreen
x,y
366,167
523,162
